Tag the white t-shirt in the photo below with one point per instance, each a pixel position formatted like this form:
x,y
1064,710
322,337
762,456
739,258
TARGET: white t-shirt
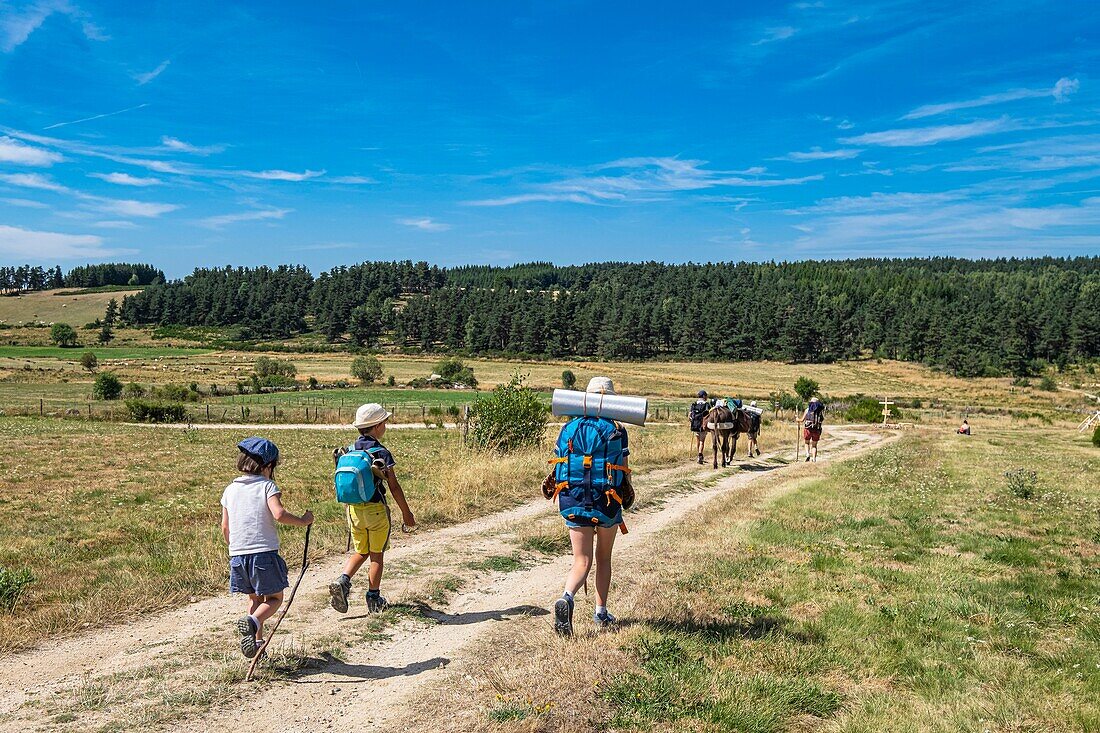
x,y
251,525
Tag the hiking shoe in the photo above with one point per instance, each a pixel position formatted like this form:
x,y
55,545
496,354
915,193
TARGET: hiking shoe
x,y
563,617
246,627
376,603
604,621
338,595
807,459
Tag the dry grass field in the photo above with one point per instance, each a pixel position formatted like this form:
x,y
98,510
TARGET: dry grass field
x,y
50,306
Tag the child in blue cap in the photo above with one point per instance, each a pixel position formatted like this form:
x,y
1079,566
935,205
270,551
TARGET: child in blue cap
x,y
251,506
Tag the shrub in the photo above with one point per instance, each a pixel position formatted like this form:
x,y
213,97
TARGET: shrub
x,y
63,335
266,366
784,400
367,369
12,585
174,393
1021,382
509,418
805,388
868,409
107,386
132,390
1047,384
89,361
390,381
149,411
568,379
455,372
1022,482
1096,436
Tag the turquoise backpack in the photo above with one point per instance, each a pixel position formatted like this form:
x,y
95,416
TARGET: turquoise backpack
x,y
354,480
588,470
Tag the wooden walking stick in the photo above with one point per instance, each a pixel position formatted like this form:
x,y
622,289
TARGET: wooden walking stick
x,y
286,607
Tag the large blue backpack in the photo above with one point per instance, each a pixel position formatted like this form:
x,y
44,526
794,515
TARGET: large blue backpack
x,y
355,482
589,469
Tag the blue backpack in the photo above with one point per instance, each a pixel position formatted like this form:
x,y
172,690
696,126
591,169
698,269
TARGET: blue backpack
x,y
355,482
588,469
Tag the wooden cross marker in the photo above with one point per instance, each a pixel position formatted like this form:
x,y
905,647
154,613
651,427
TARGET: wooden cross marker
x,y
885,409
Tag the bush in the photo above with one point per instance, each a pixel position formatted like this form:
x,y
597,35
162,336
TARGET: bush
x,y
174,393
149,411
568,379
107,386
89,361
367,369
63,335
509,418
1022,482
1096,436
12,585
1021,382
266,366
455,372
868,409
132,390
805,388
390,381
784,400
1047,384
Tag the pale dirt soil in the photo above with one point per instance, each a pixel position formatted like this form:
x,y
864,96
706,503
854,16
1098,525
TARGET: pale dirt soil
x,y
356,674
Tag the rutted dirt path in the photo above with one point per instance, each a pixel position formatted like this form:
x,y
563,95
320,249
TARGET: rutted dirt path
x,y
357,670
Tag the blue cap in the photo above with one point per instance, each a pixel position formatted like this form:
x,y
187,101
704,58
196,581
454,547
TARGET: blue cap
x,y
702,393
261,448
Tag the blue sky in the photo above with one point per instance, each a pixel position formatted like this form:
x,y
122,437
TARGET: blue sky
x,y
194,134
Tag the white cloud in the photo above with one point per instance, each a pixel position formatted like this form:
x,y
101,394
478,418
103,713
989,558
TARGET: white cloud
x,y
95,117
17,25
33,180
351,180
25,203
37,246
13,151
778,33
425,224
177,145
217,222
919,136
1061,92
819,154
128,207
278,175
125,179
115,224
148,76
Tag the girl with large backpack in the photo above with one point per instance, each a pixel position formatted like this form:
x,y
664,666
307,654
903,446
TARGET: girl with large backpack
x,y
591,483
813,420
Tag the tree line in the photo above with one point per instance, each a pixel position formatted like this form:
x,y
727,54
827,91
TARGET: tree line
x,y
27,278
971,316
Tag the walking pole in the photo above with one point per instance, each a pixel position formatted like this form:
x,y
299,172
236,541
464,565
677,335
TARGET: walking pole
x,y
282,614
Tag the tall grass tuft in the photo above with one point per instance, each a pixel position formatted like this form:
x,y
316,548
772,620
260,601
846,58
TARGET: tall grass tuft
x,y
12,585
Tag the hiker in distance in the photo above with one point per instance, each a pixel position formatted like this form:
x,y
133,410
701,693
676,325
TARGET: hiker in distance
x,y
813,420
363,474
697,413
251,506
591,482
964,429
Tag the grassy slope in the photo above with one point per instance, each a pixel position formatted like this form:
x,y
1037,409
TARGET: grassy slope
x,y
911,590
48,306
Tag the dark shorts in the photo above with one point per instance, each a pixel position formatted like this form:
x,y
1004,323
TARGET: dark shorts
x,y
260,574
811,434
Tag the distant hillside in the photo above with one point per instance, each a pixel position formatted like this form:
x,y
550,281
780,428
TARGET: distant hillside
x,y
49,306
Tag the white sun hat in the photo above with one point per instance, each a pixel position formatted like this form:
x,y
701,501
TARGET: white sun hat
x,y
369,415
600,385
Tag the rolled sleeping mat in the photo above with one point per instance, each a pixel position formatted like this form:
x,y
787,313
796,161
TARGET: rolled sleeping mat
x,y
753,410
570,403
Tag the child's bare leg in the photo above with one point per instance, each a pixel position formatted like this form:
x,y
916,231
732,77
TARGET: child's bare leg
x,y
374,573
267,607
254,602
353,563
605,542
581,539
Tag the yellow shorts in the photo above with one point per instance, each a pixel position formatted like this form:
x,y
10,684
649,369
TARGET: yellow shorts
x,y
370,527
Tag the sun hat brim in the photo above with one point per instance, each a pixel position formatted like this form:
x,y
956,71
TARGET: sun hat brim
x,y
359,425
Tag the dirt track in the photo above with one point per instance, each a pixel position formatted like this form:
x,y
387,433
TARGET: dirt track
x,y
117,676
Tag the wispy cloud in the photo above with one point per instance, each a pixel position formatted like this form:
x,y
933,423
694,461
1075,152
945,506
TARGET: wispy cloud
x,y
223,220
819,154
33,180
919,136
279,175
127,207
777,33
115,224
148,76
18,23
24,203
125,179
38,246
1061,92
425,224
639,179
351,180
14,151
179,146
95,117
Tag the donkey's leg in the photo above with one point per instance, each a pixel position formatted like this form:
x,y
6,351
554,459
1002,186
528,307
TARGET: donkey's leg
x,y
714,446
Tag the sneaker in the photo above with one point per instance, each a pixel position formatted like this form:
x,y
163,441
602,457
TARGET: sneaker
x,y
563,617
338,595
376,603
603,621
246,627
807,459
